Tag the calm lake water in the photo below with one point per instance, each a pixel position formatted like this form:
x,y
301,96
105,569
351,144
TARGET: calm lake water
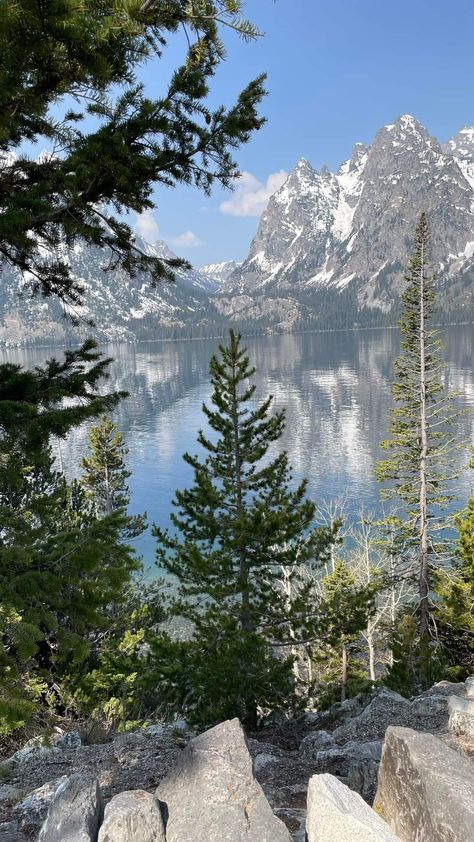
x,y
336,387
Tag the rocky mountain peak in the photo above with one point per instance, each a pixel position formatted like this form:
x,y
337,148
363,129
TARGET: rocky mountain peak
x,y
352,229
303,169
359,154
329,251
402,137
219,272
461,145
405,126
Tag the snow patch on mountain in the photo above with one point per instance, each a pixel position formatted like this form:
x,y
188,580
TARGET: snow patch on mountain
x,y
219,272
353,229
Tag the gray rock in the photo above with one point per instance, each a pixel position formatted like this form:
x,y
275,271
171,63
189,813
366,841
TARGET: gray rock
x,y
262,760
316,741
384,709
132,816
429,705
212,796
426,789
385,694
461,716
351,706
295,821
125,744
30,813
336,814
447,688
356,763
71,739
9,832
9,793
312,717
469,684
154,730
75,812
32,752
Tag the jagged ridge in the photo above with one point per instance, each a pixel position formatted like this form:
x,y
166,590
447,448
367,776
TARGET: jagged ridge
x,y
343,237
330,251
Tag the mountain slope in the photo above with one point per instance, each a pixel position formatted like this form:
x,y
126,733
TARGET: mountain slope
x,y
219,272
331,242
121,308
329,252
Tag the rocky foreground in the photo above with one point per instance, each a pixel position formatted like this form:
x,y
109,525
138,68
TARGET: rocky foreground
x,y
377,768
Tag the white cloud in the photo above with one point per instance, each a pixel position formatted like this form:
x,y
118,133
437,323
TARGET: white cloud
x,y
251,195
187,239
146,226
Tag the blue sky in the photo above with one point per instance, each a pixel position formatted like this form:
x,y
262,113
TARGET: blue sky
x,y
337,71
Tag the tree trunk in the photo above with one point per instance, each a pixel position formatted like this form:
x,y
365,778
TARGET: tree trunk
x,y
369,630
108,496
251,714
423,508
344,674
245,618
393,606
294,649
371,649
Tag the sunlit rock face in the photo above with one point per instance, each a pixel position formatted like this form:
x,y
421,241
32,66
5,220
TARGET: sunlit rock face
x,y
329,252
352,230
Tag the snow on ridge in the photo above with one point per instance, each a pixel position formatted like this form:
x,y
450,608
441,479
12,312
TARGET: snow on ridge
x,y
467,169
219,271
322,278
315,228
350,181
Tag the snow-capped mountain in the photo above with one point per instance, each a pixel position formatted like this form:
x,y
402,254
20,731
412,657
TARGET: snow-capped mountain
x,y
461,147
330,251
219,272
122,309
330,244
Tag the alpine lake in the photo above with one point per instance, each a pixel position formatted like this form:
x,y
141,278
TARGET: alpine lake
x,y
336,387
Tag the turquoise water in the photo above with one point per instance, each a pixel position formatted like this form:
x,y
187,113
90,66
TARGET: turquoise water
x,y
336,387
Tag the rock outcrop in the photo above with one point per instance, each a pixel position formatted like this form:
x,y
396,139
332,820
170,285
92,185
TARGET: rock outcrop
x,y
461,716
208,781
75,812
425,789
212,796
336,814
29,813
133,816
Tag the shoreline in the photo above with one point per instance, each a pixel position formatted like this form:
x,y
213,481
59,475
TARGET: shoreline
x,y
135,342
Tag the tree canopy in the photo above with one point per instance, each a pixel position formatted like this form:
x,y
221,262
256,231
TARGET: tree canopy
x,y
70,82
60,568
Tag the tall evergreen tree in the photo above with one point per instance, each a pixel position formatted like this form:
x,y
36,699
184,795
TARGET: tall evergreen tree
x,y
104,475
57,571
420,450
62,63
237,525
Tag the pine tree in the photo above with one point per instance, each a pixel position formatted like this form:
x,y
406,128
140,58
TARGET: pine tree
x,y
237,525
455,606
62,63
421,447
346,608
58,571
104,475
